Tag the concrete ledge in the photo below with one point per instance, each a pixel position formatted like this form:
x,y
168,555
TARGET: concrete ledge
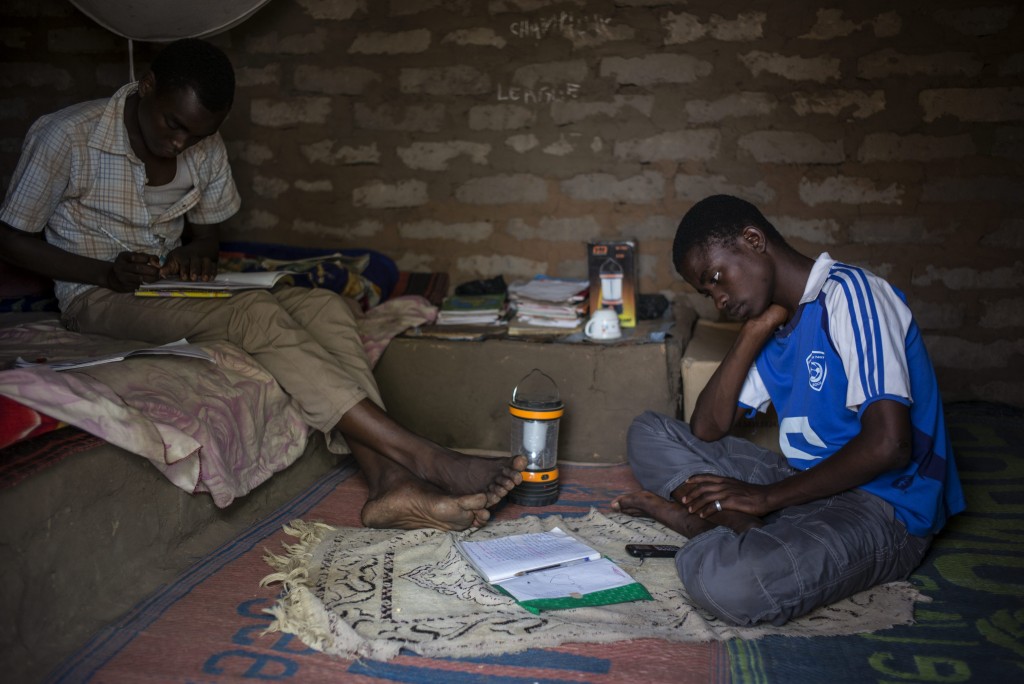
x,y
86,539
457,392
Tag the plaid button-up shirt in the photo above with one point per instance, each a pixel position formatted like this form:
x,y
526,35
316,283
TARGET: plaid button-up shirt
x,y
79,180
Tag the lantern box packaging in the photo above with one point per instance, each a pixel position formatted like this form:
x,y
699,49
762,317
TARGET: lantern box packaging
x,y
612,269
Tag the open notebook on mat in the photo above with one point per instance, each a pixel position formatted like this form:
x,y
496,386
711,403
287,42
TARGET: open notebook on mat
x,y
550,570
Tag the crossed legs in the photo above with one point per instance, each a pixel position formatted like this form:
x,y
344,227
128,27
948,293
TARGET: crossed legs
x,y
415,483
747,570
308,340
664,455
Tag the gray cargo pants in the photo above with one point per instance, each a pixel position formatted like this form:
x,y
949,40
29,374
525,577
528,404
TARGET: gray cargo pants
x,y
804,557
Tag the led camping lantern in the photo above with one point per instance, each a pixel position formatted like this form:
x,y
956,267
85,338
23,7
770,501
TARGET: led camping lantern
x,y
611,284
536,407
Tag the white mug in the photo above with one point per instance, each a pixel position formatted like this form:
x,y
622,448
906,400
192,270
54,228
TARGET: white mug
x,y
603,325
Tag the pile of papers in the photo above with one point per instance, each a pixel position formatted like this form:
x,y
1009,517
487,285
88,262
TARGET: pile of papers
x,y
486,309
179,348
548,305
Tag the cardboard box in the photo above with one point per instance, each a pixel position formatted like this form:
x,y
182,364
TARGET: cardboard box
x,y
708,345
612,268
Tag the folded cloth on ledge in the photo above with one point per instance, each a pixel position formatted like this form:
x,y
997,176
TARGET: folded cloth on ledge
x,y
230,422
221,428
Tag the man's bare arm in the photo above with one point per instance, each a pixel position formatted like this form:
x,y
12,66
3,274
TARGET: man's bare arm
x,y
31,253
716,409
883,445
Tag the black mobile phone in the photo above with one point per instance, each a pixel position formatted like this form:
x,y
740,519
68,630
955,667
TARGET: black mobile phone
x,y
652,550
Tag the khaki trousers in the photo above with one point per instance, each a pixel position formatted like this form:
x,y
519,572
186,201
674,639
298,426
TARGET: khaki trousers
x,y
306,338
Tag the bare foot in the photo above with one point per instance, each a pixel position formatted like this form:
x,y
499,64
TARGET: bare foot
x,y
452,472
676,516
645,504
459,473
412,505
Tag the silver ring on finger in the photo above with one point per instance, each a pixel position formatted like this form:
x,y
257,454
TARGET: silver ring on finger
x,y
718,505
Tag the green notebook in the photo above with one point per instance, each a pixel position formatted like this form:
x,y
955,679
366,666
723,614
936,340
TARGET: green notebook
x,y
551,571
473,304
630,591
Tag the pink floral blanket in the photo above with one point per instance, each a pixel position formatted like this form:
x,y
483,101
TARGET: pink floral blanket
x,y
222,427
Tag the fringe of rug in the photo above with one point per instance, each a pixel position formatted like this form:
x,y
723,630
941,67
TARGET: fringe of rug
x,y
298,611
296,563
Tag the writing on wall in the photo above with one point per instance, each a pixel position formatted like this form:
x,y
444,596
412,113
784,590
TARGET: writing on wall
x,y
566,24
543,94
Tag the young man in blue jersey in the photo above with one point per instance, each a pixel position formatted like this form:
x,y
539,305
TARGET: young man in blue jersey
x,y
867,476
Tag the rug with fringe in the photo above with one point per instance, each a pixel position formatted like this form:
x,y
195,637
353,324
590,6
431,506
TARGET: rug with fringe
x,y
210,624
361,593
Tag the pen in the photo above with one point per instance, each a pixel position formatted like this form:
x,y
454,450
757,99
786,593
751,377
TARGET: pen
x,y
553,567
120,243
162,259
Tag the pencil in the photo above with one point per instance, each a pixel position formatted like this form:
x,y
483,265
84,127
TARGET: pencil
x,y
204,294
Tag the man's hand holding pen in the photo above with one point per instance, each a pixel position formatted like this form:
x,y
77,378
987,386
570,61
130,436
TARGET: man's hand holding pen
x,y
131,269
182,264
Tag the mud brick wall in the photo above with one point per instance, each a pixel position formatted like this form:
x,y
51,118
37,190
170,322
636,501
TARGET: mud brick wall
x,y
485,137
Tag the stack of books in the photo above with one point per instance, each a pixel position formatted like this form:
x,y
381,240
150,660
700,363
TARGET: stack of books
x,y
548,306
486,309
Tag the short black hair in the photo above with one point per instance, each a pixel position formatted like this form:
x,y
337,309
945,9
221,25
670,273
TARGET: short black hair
x,y
718,219
196,64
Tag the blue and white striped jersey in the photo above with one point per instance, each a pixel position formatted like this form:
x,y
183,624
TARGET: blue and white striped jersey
x,y
852,342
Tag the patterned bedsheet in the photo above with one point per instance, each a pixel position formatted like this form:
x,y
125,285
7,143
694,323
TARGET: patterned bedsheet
x,y
221,427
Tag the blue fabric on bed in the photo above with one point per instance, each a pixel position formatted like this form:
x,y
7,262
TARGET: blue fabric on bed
x,y
382,270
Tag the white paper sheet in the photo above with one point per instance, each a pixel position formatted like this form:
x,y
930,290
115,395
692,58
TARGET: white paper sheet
x,y
574,579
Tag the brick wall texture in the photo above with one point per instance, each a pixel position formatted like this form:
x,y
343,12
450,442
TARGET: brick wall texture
x,y
485,137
